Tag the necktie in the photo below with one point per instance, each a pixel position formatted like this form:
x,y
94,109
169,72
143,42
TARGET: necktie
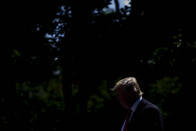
x,y
127,120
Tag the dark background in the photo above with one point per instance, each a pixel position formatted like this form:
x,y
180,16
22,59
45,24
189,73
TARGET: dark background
x,y
65,56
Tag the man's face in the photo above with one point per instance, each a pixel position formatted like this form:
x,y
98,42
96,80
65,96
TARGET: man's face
x,y
125,98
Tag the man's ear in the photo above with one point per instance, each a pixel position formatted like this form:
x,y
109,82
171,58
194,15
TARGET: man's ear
x,y
134,89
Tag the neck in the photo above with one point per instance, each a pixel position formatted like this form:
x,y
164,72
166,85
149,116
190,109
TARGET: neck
x,y
133,100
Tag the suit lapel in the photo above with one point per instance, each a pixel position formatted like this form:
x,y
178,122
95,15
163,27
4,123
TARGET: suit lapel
x,y
137,111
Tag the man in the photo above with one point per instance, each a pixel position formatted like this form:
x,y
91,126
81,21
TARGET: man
x,y
142,115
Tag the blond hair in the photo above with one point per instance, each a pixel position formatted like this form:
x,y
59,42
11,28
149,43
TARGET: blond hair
x,y
129,83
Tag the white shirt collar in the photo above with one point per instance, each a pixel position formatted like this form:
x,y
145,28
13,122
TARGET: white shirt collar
x,y
135,105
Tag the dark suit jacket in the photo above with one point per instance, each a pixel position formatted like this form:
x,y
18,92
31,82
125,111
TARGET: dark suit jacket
x,y
147,117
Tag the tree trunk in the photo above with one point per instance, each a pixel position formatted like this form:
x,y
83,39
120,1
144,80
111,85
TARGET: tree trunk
x,y
117,7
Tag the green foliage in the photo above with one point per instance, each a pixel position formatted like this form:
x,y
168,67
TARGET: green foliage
x,y
39,103
166,86
192,44
14,55
164,90
75,89
50,94
103,89
96,102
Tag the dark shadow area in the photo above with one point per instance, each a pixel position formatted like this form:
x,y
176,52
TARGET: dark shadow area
x,y
65,56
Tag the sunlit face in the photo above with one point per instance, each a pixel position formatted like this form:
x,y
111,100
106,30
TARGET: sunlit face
x,y
125,98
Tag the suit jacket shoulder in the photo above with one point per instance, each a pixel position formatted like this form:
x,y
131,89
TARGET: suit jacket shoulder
x,y
146,117
147,105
